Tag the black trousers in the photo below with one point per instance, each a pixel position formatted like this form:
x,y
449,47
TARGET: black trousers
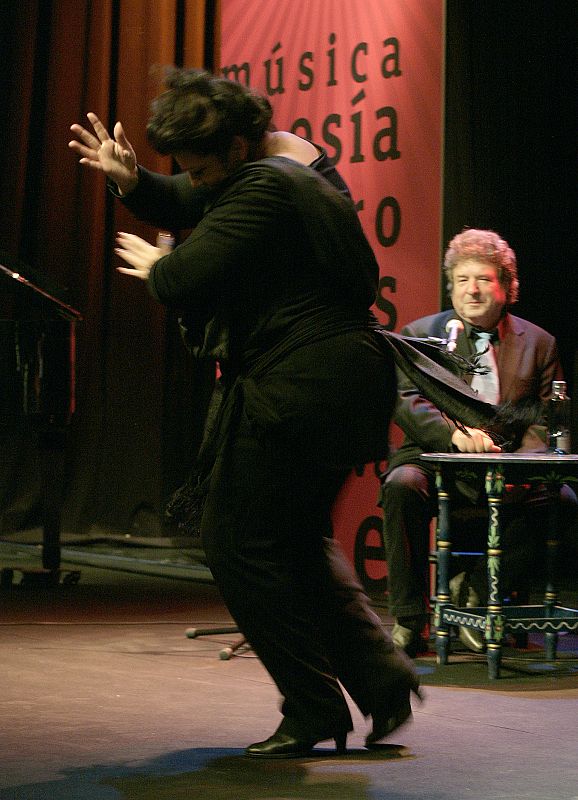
x,y
267,536
409,502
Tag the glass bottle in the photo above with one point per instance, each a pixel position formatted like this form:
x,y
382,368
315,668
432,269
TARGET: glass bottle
x,y
559,416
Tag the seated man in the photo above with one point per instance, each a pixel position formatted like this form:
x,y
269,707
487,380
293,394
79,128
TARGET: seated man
x,y
482,283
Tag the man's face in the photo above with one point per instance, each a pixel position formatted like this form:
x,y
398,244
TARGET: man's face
x,y
477,294
209,170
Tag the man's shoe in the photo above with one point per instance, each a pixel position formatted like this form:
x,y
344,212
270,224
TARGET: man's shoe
x,y
472,639
461,591
409,640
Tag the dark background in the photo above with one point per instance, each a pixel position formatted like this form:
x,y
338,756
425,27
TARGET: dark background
x,y
510,165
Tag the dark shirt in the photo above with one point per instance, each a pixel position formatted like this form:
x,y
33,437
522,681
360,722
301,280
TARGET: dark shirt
x,y
279,275
278,253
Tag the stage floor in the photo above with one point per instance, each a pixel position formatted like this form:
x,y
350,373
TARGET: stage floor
x,y
104,697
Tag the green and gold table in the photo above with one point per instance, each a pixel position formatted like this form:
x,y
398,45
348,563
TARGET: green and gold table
x,y
495,619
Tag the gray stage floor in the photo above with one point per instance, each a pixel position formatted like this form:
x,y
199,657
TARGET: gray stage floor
x,y
103,697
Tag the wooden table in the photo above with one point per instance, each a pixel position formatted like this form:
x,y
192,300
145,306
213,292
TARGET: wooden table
x,y
494,620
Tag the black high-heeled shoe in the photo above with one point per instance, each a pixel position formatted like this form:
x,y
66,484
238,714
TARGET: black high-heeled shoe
x,y
396,711
284,745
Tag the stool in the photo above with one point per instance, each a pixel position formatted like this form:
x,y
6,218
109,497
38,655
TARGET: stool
x,y
495,620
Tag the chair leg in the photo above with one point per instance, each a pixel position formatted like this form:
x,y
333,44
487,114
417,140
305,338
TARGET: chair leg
x,y
520,637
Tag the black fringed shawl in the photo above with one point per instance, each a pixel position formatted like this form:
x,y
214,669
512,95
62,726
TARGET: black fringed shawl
x,y
427,364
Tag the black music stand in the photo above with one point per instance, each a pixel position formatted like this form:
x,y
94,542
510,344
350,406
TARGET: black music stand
x,y
43,331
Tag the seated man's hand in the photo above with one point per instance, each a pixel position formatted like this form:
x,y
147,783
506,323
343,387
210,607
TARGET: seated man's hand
x,y
474,441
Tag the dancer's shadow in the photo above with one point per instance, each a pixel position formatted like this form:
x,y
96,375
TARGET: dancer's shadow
x,y
223,774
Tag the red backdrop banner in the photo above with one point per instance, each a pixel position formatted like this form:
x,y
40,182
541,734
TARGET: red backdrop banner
x,y
364,80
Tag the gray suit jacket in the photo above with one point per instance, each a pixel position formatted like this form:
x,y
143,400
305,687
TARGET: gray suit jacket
x,y
528,362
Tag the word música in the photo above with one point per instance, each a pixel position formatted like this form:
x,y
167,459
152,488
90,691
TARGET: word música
x,y
363,62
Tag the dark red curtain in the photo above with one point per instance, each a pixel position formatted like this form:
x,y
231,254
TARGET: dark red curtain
x,y
135,425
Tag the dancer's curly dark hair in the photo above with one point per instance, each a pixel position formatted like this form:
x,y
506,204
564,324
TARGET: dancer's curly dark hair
x,y
201,113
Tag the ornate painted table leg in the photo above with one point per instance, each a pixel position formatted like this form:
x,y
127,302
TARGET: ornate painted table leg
x,y
495,486
548,617
443,548
551,593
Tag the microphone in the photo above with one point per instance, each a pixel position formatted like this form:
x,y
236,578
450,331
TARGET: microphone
x,y
453,327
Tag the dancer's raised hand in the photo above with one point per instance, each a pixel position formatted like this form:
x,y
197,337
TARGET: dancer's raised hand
x,y
114,157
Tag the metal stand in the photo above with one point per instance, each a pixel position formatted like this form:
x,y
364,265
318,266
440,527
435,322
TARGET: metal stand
x,y
239,647
42,388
